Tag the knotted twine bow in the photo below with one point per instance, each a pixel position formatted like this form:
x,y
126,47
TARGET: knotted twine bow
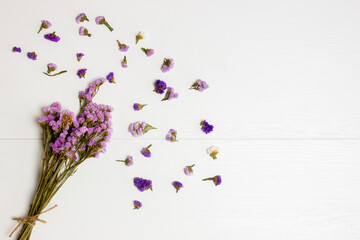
x,y
28,220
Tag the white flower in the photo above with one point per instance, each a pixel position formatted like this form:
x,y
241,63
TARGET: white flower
x,y
213,151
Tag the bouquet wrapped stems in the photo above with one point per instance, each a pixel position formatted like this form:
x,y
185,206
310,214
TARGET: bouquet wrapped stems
x,y
68,141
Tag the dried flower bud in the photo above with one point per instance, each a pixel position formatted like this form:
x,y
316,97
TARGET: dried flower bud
x,y
146,151
124,63
148,51
128,161
206,127
177,185
140,36
142,184
122,46
171,136
138,106
137,204
51,67
110,77
79,56
84,32
45,24
188,170
32,55
217,180
199,85
100,20
167,65
16,49
81,72
81,18
213,151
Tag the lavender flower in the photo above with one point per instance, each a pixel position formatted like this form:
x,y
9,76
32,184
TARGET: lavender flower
x,y
171,136
138,106
122,46
32,55
199,85
216,180
45,24
140,36
124,62
81,18
137,204
86,96
128,161
16,49
79,56
167,65
110,77
177,185
160,86
188,170
170,94
139,128
100,20
206,127
52,37
213,151
84,32
148,51
146,151
142,184
81,72
51,67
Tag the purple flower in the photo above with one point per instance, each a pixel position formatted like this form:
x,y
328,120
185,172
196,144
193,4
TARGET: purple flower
x,y
177,185
170,94
84,32
100,20
160,86
128,161
142,184
188,170
81,72
137,204
45,24
167,64
52,37
171,136
122,47
148,51
138,106
216,180
79,56
51,67
81,18
146,151
16,49
140,36
32,55
124,62
206,127
87,95
139,128
199,85
110,77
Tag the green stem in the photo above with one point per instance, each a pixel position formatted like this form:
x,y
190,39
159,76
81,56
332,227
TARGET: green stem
x,y
108,26
55,73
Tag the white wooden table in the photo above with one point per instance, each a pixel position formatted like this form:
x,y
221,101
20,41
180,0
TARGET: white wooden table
x,y
284,98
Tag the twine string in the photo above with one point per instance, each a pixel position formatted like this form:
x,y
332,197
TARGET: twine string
x,y
28,220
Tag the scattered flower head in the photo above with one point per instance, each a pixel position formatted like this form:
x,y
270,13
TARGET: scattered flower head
x,y
170,94
45,24
138,106
137,204
100,20
146,151
81,72
142,184
216,180
171,136
206,127
79,56
140,36
84,32
148,51
139,128
122,46
128,161
32,55
167,65
51,67
213,151
160,86
124,62
188,170
200,85
177,185
52,37
16,49
81,18
110,77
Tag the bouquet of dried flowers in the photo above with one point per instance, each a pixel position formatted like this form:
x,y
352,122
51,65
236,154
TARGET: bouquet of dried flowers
x,y
68,141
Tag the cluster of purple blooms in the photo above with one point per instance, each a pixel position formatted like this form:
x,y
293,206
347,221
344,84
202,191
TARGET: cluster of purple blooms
x,y
177,185
81,72
79,56
167,65
122,46
160,86
81,18
148,51
200,85
137,204
171,136
32,55
206,127
139,128
110,77
146,151
142,184
138,106
90,92
52,37
216,180
16,49
128,161
170,94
